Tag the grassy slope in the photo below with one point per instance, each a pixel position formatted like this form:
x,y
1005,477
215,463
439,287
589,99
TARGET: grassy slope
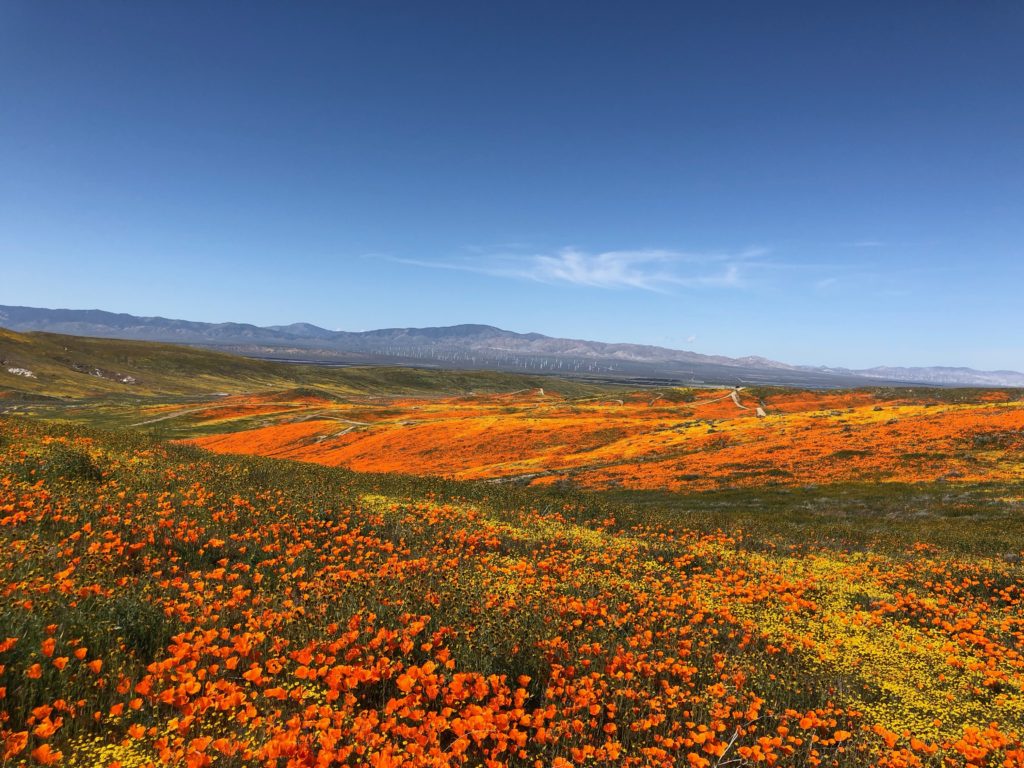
x,y
599,602
77,366
636,440
846,593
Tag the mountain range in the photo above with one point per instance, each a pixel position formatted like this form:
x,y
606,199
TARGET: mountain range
x,y
482,347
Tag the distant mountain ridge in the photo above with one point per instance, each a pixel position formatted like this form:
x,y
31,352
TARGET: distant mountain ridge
x,y
941,375
473,346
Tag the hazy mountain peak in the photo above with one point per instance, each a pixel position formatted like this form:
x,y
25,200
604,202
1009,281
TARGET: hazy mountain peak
x,y
475,346
307,330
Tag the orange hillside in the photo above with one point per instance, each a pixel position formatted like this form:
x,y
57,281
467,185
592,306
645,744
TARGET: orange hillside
x,y
674,439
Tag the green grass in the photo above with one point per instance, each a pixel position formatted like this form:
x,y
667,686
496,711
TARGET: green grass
x,y
81,367
148,521
977,519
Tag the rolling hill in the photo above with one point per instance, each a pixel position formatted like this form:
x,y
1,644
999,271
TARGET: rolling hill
x,y
484,347
51,365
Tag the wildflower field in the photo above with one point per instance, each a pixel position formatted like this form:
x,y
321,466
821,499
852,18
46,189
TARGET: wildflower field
x,y
676,439
165,605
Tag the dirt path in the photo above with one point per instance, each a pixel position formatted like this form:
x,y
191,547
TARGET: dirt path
x,y
735,395
179,413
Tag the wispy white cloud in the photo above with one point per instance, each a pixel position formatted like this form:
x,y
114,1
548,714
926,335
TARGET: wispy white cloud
x,y
864,244
826,283
649,270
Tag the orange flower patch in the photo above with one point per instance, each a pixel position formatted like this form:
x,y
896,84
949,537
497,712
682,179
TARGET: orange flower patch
x,y
710,439
187,608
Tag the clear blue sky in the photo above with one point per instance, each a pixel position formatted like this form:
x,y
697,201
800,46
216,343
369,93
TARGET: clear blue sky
x,y
826,183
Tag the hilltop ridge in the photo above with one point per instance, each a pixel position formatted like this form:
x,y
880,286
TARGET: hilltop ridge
x,y
478,346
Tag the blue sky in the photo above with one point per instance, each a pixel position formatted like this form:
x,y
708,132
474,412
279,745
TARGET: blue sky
x,y
825,183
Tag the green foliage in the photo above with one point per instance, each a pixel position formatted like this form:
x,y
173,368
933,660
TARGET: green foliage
x,y
70,464
80,367
162,534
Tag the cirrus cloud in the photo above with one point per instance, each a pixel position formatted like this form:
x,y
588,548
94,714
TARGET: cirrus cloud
x,y
647,269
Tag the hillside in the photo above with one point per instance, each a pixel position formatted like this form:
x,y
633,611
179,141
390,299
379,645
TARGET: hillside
x,y
670,439
161,605
477,347
675,440
52,365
